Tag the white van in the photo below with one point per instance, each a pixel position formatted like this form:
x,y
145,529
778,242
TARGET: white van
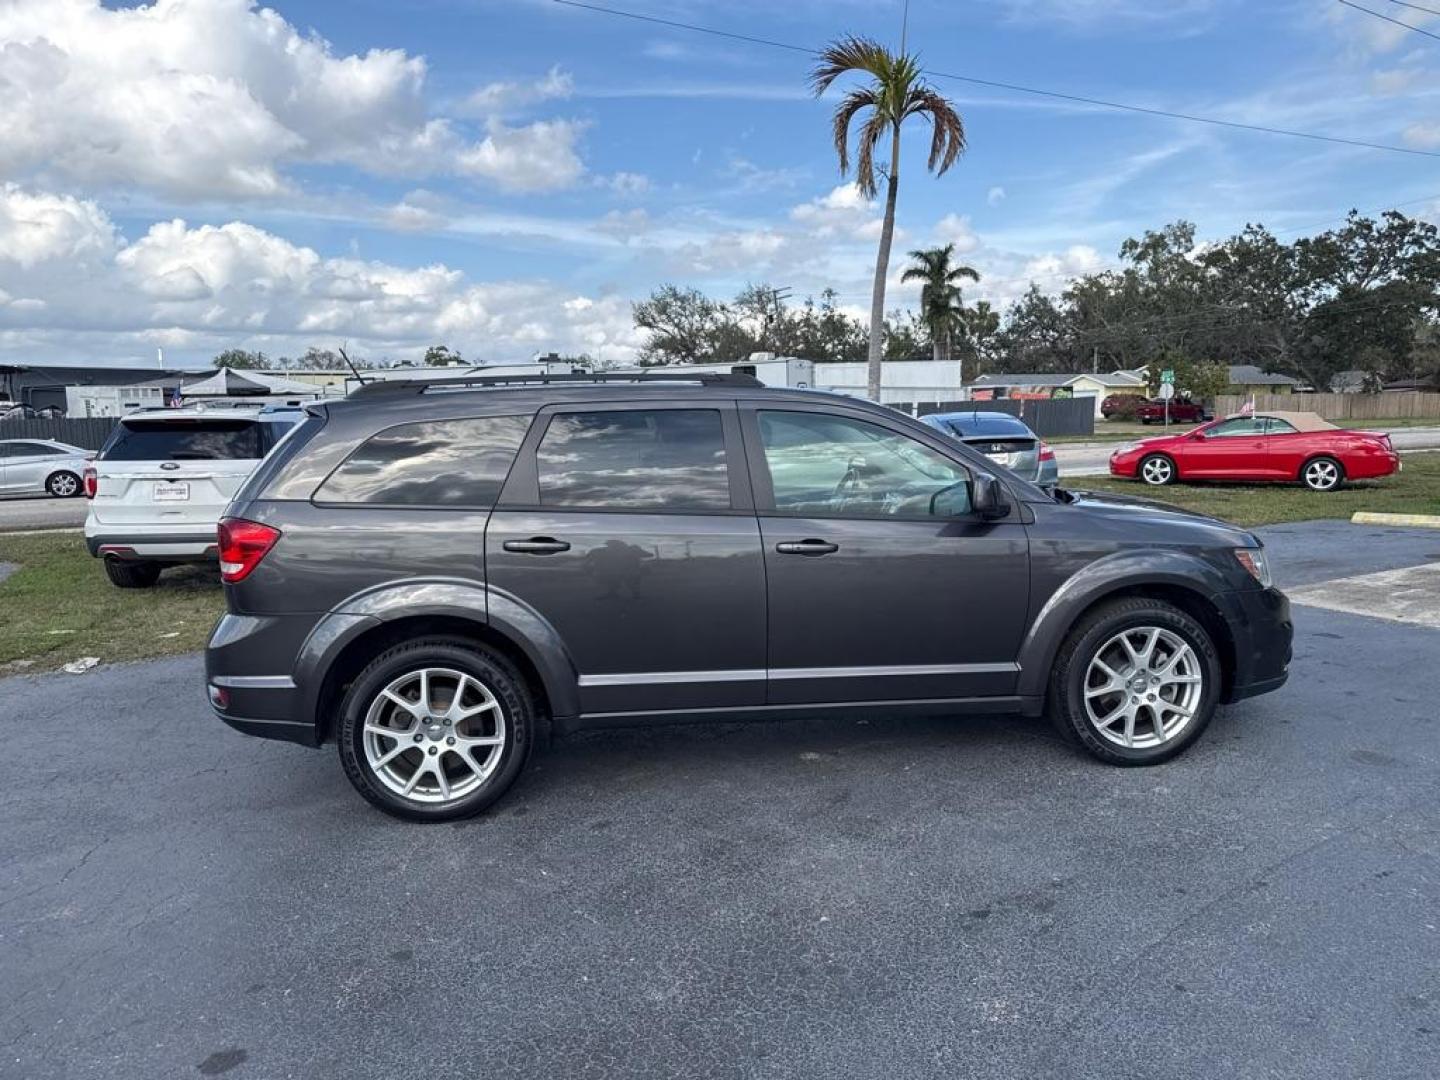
x,y
158,486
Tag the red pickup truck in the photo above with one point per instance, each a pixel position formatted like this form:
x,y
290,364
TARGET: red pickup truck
x,y
1181,412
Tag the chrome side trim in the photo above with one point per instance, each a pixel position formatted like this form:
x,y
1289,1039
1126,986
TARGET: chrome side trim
x,y
883,670
254,682
659,678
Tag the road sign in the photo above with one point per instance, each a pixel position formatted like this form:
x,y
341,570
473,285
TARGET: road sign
x,y
1167,391
1168,376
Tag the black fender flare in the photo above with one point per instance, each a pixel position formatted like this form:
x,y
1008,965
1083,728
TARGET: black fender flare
x,y
1119,572
456,598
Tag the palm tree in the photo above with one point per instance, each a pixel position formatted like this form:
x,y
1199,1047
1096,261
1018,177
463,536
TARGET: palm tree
x,y
892,94
941,304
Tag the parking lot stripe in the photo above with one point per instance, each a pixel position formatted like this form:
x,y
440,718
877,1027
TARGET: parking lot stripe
x,y
1410,595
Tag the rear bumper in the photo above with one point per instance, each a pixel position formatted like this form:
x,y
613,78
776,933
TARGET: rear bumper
x,y
1263,635
189,546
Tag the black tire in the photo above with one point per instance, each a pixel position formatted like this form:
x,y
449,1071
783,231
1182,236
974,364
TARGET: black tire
x,y
1162,469
1086,640
132,575
1322,473
64,485
491,669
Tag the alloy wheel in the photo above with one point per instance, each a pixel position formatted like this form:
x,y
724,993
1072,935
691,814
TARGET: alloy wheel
x,y
1143,687
64,485
1157,470
1322,475
434,735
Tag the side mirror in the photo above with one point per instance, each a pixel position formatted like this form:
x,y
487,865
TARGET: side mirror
x,y
1198,436
987,497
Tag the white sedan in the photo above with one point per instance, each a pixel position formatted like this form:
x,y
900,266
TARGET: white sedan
x,y
42,466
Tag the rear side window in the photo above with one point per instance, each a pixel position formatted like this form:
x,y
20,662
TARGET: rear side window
x,y
184,440
641,459
430,463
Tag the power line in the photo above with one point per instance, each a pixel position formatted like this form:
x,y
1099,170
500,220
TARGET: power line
x,y
1035,91
1415,7
1387,18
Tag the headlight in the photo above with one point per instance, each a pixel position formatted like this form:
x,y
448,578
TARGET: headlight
x,y
1255,564
1125,449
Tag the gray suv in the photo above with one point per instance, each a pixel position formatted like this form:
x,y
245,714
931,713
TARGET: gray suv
x,y
435,574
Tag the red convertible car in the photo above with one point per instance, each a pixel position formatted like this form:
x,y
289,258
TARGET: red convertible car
x,y
1280,446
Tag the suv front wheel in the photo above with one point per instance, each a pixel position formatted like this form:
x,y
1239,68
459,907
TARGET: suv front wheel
x,y
435,729
1136,682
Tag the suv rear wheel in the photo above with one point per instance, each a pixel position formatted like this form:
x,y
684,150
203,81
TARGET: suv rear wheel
x,y
435,729
132,575
1136,682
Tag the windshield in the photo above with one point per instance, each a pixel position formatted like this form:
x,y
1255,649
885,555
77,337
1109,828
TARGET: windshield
x,y
183,440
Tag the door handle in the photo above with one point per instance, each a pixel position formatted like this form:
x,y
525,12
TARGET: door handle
x,y
807,547
536,545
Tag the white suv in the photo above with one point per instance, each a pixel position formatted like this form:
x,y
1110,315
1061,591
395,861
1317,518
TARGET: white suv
x,y
158,486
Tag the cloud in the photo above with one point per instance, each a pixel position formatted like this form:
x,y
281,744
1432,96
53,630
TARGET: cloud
x,y
218,99
995,196
1089,13
843,212
501,97
628,184
69,282
539,157
1425,136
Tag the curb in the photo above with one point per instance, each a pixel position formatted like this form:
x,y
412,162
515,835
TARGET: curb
x,y
1420,521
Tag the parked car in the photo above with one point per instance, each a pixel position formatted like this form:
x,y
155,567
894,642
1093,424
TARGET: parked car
x,y
1288,447
1120,406
159,484
41,466
428,571
1004,439
10,410
1182,411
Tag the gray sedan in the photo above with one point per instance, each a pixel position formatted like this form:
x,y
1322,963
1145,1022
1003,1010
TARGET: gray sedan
x,y
1004,439
42,466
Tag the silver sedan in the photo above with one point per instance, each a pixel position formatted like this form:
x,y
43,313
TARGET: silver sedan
x,y
42,466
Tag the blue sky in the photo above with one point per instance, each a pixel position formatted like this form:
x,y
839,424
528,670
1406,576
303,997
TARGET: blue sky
x,y
507,175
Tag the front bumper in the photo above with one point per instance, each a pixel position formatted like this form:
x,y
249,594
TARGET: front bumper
x,y
1262,634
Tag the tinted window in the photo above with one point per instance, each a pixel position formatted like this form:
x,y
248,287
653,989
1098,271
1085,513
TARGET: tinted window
x,y
183,440
29,449
831,465
642,459
432,463
1239,425
1279,427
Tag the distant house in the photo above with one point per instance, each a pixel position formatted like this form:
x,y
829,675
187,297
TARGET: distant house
x,y
1061,384
1249,379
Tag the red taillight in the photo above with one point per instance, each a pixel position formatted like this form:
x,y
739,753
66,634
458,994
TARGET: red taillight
x,y
92,481
242,545
1047,453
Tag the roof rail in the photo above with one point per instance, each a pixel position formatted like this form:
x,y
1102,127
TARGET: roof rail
x,y
397,387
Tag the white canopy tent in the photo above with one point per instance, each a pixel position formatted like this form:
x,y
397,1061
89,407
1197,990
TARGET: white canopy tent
x,y
229,382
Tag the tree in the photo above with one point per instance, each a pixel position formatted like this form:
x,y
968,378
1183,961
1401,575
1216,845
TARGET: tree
x,y
907,337
240,359
893,93
941,304
979,327
682,325
441,356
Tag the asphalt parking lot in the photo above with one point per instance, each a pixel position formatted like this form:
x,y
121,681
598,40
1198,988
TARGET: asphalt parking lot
x,y
943,898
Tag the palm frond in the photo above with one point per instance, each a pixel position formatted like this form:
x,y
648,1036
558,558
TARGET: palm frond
x,y
845,112
846,54
947,140
871,132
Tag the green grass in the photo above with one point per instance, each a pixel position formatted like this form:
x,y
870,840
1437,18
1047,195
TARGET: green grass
x,y
1106,430
59,606
1414,490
